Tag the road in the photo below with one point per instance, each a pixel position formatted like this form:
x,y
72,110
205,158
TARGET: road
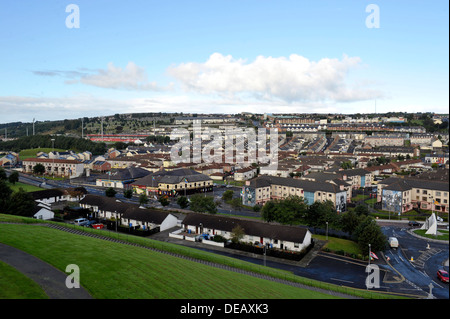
x,y
400,275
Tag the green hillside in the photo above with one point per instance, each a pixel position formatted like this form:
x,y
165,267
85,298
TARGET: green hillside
x,y
116,271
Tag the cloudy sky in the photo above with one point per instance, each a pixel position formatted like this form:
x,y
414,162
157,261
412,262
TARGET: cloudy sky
x,y
221,56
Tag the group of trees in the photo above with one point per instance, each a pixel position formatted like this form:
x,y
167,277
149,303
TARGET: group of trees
x,y
357,223
61,142
17,203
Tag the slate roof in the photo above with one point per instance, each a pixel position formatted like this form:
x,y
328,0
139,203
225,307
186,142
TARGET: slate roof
x,y
127,210
47,193
294,234
415,183
172,177
308,186
130,173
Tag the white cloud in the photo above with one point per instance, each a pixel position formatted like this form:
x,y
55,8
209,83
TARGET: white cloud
x,y
292,79
132,77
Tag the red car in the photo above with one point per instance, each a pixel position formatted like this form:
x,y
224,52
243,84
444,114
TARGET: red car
x,y
442,275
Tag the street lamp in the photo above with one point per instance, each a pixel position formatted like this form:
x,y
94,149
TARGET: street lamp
x,y
369,254
327,230
53,158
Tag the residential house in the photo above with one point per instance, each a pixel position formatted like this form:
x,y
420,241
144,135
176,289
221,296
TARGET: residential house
x,y
292,238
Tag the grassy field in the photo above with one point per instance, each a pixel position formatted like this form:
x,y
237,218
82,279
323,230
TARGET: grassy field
x,y
26,187
15,285
24,154
338,244
116,271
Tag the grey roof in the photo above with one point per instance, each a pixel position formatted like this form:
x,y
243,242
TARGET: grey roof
x,y
172,177
253,228
127,210
308,186
415,183
123,174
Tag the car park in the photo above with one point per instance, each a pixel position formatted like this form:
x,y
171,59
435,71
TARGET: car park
x,y
442,275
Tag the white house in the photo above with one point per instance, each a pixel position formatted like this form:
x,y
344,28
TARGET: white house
x,y
43,212
292,238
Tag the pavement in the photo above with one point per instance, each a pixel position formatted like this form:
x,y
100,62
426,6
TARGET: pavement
x,y
50,279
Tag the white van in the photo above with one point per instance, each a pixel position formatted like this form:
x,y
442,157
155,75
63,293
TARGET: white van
x,y
393,242
80,221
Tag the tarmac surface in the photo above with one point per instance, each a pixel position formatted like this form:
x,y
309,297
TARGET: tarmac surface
x,y
51,280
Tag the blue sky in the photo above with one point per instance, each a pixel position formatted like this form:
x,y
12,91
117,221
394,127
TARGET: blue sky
x,y
221,56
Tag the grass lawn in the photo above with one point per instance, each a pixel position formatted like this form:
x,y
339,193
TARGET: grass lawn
x,y
359,197
116,271
444,236
338,244
15,285
26,187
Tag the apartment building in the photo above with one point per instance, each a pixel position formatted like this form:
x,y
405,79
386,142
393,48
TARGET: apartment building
x,y
401,195
264,188
58,167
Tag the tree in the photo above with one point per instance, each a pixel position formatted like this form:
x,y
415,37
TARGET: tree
x,y
368,232
39,169
362,210
285,211
319,213
236,203
13,177
227,195
182,202
164,200
237,233
22,203
3,176
5,194
143,199
110,192
127,193
200,203
350,221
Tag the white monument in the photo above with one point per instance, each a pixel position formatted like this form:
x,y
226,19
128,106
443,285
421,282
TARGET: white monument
x,y
431,225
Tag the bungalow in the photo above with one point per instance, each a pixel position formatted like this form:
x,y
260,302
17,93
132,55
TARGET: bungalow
x,y
293,238
43,211
129,214
49,196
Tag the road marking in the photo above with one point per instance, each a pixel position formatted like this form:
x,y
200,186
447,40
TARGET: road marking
x,y
437,284
351,282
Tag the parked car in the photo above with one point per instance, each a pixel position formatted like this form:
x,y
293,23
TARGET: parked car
x,y
439,219
80,221
442,275
89,223
413,223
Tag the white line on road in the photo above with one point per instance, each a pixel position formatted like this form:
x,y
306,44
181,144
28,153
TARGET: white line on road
x,y
350,282
434,282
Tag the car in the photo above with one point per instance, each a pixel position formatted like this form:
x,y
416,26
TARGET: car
x,y
393,242
439,219
413,223
80,221
442,275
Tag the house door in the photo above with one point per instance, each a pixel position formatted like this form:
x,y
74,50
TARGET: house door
x,y
261,240
281,245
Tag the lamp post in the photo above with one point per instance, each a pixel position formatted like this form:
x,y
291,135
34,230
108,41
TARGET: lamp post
x,y
369,254
327,230
53,159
